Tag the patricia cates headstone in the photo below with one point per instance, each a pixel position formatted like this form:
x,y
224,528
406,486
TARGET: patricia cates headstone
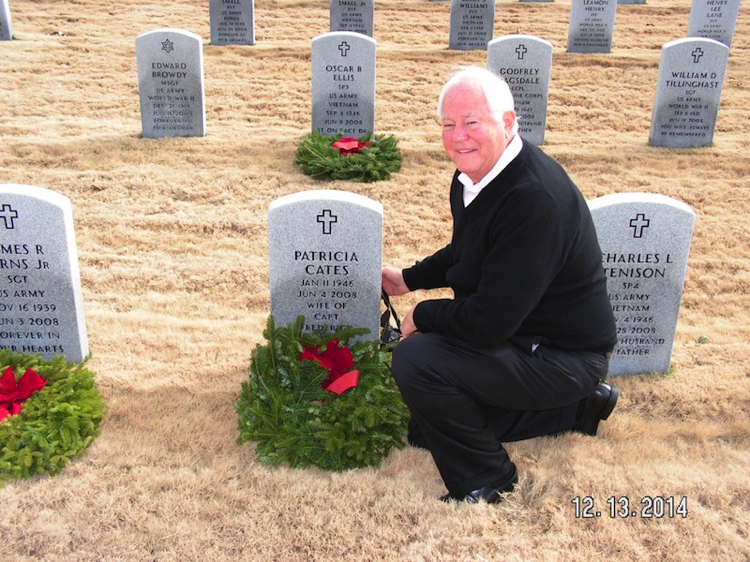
x,y
645,241
352,15
343,84
714,19
6,28
325,259
592,23
525,62
688,92
472,24
41,304
170,83
232,22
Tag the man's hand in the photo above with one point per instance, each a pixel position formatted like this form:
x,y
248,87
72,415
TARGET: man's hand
x,y
393,281
393,284
408,328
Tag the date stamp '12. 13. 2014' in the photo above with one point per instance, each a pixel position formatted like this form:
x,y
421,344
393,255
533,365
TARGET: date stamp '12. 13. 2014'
x,y
622,507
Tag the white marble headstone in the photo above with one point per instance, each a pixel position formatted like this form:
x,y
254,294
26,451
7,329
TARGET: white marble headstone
x,y
525,62
325,260
352,15
472,24
645,240
170,83
714,19
688,92
6,26
592,24
41,303
343,84
232,22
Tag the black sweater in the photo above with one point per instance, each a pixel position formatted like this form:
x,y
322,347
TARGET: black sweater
x,y
524,263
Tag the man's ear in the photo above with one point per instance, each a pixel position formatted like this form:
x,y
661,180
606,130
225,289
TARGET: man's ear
x,y
509,118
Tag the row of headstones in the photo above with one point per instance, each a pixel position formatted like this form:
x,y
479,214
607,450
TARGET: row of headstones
x,y
688,87
232,22
325,264
172,92
591,27
689,84
325,255
591,24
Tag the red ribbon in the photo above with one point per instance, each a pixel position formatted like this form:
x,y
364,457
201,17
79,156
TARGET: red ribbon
x,y
13,394
349,146
338,362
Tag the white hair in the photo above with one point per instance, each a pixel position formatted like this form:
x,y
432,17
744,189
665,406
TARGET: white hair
x,y
494,89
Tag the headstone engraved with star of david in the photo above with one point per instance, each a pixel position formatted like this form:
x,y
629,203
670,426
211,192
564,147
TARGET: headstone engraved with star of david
x,y
6,27
171,84
352,15
714,19
232,22
325,256
688,92
343,84
41,303
525,62
471,25
592,24
645,241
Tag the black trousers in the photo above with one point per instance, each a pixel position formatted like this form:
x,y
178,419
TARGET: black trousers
x,y
467,400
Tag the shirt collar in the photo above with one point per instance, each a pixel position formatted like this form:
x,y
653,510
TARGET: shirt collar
x,y
471,189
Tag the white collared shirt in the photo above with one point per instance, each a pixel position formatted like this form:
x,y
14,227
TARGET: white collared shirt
x,y
471,189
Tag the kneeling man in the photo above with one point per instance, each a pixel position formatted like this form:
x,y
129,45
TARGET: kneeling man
x,y
522,348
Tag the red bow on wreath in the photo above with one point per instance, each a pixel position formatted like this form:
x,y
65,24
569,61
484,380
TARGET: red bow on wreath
x,y
12,395
337,361
349,146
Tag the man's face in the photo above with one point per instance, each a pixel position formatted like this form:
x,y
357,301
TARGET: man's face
x,y
472,139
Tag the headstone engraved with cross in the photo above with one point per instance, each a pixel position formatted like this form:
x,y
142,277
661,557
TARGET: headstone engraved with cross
x,y
41,303
645,241
592,24
232,22
343,84
170,83
525,62
352,15
714,19
471,25
325,256
6,27
688,92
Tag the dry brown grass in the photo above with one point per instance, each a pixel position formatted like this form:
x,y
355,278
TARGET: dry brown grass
x,y
172,242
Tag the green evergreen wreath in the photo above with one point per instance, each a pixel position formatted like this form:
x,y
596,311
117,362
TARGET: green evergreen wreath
x,y
295,421
55,424
376,162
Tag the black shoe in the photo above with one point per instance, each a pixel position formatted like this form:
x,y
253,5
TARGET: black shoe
x,y
598,406
492,493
